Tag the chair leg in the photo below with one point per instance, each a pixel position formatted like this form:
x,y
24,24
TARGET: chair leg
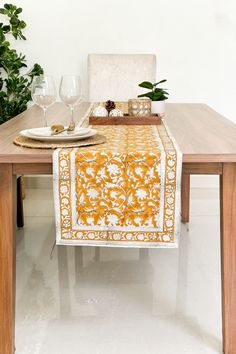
x,y
185,197
20,211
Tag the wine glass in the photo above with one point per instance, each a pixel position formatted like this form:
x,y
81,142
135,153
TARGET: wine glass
x,y
43,93
70,93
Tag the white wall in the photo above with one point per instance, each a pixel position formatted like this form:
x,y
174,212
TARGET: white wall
x,y
194,40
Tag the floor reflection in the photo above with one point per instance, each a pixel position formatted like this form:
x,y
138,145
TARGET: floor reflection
x,y
100,280
115,300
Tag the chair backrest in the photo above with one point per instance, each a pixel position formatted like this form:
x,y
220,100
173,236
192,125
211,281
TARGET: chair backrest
x,y
116,76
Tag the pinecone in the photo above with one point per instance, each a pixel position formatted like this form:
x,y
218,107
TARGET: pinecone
x,y
110,105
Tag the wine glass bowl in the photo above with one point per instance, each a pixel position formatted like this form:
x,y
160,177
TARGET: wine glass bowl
x,y
43,101
70,93
43,93
70,100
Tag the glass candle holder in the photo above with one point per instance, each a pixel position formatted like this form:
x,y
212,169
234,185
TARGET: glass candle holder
x,y
139,107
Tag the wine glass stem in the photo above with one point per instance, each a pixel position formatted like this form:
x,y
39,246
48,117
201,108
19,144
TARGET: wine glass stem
x,y
44,117
72,114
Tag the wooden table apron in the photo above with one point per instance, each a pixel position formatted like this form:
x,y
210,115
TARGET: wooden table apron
x,y
209,162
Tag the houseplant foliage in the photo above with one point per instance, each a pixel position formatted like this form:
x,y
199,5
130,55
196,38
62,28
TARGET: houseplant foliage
x,y
14,86
155,93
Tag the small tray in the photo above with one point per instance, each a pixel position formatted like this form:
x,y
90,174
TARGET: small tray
x,y
154,119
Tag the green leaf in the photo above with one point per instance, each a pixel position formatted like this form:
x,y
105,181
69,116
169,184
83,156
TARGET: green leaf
x,y
19,10
6,28
157,96
22,24
3,11
146,84
2,39
160,90
160,82
14,21
148,94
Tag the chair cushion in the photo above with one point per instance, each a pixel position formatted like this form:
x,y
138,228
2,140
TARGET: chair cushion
x,y
116,76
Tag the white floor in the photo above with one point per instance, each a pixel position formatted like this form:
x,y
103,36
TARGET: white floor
x,y
118,300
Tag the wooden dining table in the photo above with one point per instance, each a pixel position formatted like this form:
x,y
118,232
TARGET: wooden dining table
x,y
208,143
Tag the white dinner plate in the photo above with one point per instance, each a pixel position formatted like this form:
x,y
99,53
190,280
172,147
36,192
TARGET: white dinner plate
x,y
59,137
47,132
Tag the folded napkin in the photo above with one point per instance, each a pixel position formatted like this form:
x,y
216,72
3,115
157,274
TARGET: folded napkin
x,y
124,193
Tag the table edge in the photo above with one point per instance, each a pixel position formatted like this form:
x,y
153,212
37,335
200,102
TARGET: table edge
x,y
22,159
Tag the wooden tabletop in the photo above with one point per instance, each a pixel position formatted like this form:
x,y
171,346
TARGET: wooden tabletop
x,y
202,134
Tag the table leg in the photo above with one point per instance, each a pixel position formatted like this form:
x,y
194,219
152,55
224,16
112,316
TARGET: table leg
x,y
228,254
7,258
185,197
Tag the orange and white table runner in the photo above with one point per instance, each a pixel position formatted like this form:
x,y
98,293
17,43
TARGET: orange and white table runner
x,y
123,193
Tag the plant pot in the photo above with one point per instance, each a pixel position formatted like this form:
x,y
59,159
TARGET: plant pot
x,y
158,107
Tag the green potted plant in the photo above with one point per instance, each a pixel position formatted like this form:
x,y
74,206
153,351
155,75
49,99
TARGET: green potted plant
x,y
156,94
14,86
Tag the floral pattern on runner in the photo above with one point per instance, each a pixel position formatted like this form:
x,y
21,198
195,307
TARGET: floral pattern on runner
x,y
125,192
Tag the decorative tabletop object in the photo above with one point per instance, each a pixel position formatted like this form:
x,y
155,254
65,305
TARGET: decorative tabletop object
x,y
121,114
100,111
139,107
116,113
157,96
110,105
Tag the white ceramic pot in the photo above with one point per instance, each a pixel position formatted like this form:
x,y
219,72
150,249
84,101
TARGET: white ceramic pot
x,y
158,107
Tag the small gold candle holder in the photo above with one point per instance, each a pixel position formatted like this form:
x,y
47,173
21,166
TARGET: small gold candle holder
x,y
139,107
